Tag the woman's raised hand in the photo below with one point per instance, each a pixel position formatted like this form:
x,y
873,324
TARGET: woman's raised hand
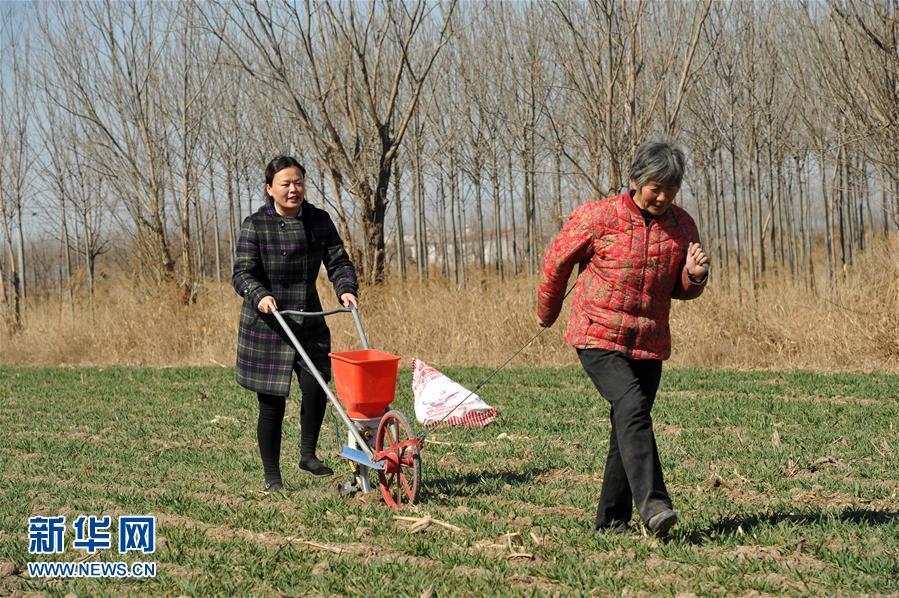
x,y
267,304
697,261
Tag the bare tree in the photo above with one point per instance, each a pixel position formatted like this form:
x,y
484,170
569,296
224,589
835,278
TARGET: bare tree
x,y
339,68
120,102
865,77
16,159
186,71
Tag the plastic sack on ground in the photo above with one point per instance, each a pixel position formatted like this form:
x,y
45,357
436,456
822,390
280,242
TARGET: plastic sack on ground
x,y
436,395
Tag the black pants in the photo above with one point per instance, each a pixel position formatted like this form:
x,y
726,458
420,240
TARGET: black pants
x,y
271,416
633,472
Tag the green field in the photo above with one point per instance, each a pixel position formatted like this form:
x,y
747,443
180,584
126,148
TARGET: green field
x,y
786,483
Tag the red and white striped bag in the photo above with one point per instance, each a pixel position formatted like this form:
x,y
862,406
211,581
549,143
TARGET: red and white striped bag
x,y
436,395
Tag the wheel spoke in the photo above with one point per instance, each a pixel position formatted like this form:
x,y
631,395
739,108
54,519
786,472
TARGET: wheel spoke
x,y
408,488
395,436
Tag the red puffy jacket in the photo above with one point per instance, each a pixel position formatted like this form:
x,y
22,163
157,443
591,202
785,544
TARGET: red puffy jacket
x,y
631,271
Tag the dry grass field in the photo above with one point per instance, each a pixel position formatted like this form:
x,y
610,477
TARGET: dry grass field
x,y
852,325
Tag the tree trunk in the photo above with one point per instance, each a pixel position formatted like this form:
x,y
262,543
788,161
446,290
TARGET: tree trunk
x,y
528,213
781,218
245,173
444,238
763,257
804,252
200,235
867,232
400,234
232,217
4,299
851,197
65,253
772,206
20,248
750,223
537,229
215,228
720,200
738,233
458,221
15,292
884,200
479,215
497,221
89,259
792,238
512,218
187,267
557,187
422,258
713,197
373,234
840,195
895,211
829,249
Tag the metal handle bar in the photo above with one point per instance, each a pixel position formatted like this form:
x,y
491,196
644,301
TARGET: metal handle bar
x,y
316,313
318,377
329,312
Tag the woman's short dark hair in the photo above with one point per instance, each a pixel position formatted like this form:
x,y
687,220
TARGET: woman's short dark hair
x,y
278,164
658,161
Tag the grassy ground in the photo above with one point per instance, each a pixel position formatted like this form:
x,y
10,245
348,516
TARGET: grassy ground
x,y
787,483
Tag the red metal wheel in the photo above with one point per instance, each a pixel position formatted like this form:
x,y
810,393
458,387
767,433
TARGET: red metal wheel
x,y
397,448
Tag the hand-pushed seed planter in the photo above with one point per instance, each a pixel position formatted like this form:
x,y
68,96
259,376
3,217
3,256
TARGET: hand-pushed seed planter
x,y
378,438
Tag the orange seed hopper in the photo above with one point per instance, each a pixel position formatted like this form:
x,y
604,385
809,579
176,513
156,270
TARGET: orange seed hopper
x,y
365,381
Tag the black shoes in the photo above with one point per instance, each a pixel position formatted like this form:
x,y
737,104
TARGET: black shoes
x,y
614,528
309,465
314,467
273,486
658,525
661,522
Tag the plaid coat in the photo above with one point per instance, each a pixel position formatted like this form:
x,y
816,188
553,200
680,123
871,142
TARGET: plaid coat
x,y
281,256
631,271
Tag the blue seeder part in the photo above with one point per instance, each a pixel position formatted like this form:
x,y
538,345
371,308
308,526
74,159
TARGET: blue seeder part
x,y
359,457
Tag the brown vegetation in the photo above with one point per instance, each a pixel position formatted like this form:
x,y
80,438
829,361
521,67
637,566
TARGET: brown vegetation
x,y
854,325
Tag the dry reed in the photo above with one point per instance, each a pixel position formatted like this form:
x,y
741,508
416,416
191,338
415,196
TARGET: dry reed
x,y
852,325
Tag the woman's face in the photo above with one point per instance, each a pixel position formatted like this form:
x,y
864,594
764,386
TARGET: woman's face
x,y
288,190
654,197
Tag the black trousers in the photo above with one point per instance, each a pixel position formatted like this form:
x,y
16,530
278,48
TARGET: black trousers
x,y
633,473
271,417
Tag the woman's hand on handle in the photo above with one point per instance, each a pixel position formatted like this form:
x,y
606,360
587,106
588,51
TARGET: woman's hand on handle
x,y
348,299
267,304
